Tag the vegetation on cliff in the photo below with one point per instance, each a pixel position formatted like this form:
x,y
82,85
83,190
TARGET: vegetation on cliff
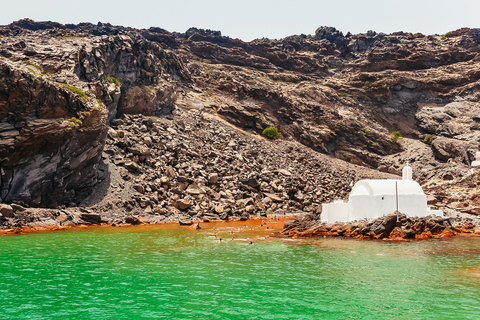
x,y
344,96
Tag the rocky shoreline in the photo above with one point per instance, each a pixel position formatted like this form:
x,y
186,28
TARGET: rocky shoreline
x,y
194,167
106,124
396,227
58,222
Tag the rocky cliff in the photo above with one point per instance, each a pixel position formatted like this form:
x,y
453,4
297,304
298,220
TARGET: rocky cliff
x,y
339,95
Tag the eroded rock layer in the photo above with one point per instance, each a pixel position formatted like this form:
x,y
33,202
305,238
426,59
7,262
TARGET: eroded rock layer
x,y
373,100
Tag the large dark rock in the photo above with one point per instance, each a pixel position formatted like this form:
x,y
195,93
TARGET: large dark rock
x,y
51,139
386,226
6,210
91,218
329,33
446,148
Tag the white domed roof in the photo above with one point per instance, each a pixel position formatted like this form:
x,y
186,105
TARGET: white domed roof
x,y
386,187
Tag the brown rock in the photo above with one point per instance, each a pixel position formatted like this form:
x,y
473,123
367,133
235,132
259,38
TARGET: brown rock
x,y
6,210
274,197
171,172
139,188
212,178
132,166
447,233
182,204
133,220
185,222
285,172
17,208
91,218
397,233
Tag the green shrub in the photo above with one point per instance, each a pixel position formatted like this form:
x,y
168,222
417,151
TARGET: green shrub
x,y
74,120
111,79
29,63
100,104
396,136
271,133
74,123
428,139
34,72
79,92
444,36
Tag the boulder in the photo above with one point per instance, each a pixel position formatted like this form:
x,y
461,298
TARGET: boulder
x,y
212,178
447,148
133,220
273,197
285,172
18,208
171,173
185,222
182,204
139,188
6,210
329,33
92,218
132,166
386,225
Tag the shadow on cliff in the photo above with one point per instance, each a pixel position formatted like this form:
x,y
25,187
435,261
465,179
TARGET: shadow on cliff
x,y
100,190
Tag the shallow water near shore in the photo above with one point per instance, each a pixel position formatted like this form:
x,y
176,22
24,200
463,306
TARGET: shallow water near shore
x,y
171,272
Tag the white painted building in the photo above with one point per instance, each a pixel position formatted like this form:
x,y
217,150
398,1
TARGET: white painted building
x,y
371,199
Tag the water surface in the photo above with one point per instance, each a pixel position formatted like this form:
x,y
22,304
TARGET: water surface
x,y
170,272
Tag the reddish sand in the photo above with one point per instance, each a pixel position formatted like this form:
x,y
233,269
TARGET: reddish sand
x,y
273,224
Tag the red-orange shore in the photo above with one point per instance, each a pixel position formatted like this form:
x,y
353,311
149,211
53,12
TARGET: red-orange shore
x,y
392,237
252,221
277,225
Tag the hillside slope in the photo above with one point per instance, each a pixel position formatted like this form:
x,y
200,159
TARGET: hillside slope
x,y
340,96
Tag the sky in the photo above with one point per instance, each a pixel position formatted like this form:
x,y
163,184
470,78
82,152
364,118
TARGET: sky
x,y
251,19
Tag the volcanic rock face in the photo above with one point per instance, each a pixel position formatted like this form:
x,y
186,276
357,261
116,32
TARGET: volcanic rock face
x,y
341,95
56,94
51,139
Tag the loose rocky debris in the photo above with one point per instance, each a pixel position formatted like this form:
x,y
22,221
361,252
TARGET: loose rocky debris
x,y
396,226
341,95
192,167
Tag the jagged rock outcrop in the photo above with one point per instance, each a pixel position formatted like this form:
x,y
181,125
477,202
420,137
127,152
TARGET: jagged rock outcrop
x,y
395,226
51,139
341,95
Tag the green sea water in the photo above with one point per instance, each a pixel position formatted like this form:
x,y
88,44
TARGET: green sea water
x,y
170,272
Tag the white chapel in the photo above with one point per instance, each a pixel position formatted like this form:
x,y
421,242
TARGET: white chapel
x,y
371,199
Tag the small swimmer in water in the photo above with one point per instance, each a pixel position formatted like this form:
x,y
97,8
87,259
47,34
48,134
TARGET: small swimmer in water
x,y
233,238
250,243
220,240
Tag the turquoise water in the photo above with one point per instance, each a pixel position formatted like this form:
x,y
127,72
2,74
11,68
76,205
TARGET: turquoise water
x,y
174,273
